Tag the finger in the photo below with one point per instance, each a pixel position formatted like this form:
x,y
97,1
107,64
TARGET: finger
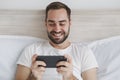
x,y
34,58
39,64
62,64
61,69
41,69
38,70
64,69
69,58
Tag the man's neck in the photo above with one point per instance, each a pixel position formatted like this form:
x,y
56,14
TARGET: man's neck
x,y
63,45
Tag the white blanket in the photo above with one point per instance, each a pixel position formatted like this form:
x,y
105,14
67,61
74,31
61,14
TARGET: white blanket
x,y
10,49
107,52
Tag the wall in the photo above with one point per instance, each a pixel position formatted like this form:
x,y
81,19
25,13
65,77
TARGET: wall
x,y
24,17
86,25
74,4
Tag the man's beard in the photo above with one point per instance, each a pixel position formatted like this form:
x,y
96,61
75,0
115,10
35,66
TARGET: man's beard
x,y
58,41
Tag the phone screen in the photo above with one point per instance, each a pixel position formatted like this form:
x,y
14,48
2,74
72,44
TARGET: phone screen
x,y
51,61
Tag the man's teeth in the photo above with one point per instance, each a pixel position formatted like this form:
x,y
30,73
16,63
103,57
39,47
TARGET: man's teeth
x,y
57,35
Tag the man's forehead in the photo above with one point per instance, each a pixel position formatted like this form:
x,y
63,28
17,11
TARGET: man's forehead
x,y
57,15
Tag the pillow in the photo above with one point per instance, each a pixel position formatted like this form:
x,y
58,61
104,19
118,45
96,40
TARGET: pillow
x,y
10,49
107,53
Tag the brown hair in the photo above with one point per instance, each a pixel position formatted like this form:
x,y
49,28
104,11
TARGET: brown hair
x,y
57,5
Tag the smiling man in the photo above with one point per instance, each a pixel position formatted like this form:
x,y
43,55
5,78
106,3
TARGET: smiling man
x,y
81,63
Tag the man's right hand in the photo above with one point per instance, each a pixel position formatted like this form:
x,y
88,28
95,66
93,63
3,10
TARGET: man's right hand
x,y
37,68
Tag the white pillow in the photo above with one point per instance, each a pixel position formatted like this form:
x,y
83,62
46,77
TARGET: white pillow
x,y
107,52
10,49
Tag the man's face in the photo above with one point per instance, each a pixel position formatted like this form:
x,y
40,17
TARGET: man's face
x,y
58,25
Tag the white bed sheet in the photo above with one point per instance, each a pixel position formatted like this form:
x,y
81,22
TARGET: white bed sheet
x,y
10,49
107,52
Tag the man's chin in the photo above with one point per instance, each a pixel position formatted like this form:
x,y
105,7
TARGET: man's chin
x,y
57,41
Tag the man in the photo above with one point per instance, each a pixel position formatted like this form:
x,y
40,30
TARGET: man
x,y
80,64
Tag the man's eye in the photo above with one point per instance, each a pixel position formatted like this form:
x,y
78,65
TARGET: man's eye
x,y
51,24
62,24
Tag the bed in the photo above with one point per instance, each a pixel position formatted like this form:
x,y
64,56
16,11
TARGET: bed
x,y
99,29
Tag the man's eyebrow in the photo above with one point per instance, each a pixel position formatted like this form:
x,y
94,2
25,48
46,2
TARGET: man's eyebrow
x,y
58,21
51,21
63,21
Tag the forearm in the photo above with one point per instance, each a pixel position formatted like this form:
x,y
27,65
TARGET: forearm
x,y
70,78
31,77
90,74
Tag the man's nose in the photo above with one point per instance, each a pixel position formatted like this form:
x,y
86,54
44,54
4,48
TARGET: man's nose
x,y
57,28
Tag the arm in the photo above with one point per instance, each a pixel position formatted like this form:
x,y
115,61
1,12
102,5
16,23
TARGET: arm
x,y
90,74
33,73
67,71
22,73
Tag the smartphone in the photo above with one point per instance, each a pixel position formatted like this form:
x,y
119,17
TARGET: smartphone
x,y
51,61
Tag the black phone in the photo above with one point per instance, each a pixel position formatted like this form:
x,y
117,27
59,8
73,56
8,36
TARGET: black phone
x,y
51,61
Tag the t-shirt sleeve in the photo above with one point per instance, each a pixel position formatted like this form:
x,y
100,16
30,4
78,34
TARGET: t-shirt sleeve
x,y
88,59
25,58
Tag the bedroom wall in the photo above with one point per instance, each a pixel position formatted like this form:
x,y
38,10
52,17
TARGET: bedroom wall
x,y
86,25
95,19
74,4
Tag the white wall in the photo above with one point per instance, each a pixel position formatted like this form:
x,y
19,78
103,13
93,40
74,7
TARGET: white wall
x,y
74,4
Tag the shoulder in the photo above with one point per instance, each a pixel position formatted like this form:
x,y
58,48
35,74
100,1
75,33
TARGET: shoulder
x,y
37,44
81,48
80,45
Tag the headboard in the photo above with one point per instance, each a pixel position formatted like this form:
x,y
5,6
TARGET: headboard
x,y
87,25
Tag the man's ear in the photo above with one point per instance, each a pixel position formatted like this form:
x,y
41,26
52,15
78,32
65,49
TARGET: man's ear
x,y
45,23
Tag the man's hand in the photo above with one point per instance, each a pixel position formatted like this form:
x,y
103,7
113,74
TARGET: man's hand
x,y
66,70
37,68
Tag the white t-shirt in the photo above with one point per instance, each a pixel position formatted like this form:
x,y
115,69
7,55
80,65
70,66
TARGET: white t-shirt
x,y
83,58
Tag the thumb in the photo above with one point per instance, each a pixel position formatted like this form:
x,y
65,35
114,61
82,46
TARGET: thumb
x,y
69,58
34,58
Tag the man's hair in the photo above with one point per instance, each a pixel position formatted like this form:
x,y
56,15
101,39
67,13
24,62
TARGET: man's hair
x,y
55,6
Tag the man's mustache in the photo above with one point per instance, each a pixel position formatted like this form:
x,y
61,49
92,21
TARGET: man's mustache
x,y
54,32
